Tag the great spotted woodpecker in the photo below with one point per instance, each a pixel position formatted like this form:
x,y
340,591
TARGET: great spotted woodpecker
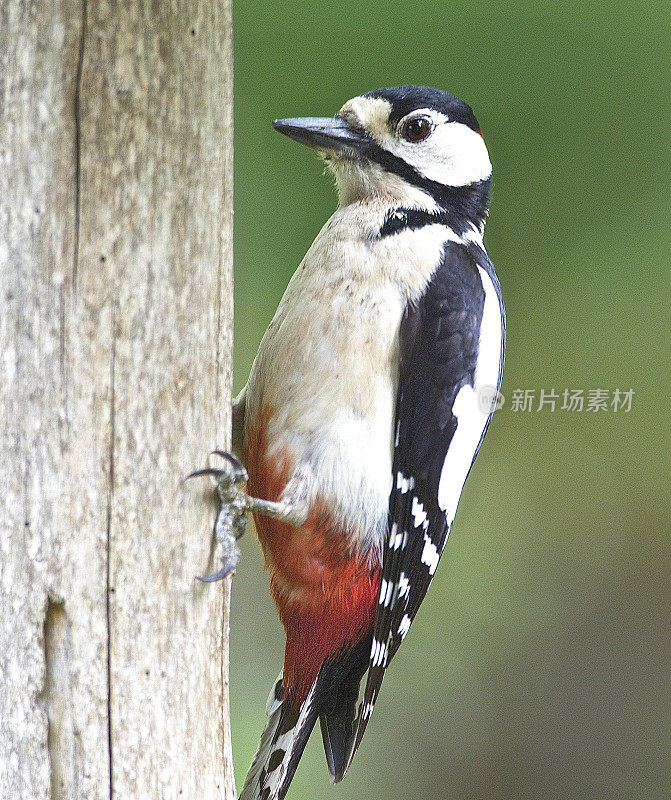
x,y
366,406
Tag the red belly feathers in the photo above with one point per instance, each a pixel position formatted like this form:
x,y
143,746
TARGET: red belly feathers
x,y
326,594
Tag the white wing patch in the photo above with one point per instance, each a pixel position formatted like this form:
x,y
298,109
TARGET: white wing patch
x,y
467,408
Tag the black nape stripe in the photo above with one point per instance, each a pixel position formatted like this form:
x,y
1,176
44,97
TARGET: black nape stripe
x,y
466,207
401,219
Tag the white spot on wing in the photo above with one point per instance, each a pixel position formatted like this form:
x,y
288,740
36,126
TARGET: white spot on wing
x,y
404,626
418,513
430,555
396,538
383,591
404,484
378,653
447,533
389,590
489,345
373,650
392,534
471,419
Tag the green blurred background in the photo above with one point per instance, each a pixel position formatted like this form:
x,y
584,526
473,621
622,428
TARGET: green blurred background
x,y
539,665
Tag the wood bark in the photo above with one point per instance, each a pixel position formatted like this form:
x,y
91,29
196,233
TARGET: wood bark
x,y
115,340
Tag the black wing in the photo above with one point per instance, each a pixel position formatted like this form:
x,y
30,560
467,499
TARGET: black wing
x,y
439,339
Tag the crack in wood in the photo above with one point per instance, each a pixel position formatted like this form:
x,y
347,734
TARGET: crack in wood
x,y
110,499
78,133
56,696
217,356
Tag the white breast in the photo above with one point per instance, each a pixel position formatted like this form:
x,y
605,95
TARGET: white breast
x,y
328,364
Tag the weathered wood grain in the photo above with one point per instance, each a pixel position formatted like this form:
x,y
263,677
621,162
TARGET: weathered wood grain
x,y
115,340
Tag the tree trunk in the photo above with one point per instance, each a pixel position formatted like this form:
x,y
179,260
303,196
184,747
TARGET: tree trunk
x,y
115,340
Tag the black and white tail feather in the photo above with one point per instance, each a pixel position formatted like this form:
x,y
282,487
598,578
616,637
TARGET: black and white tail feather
x,y
332,699
282,744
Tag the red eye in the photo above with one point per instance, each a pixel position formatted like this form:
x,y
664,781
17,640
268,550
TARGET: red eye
x,y
417,129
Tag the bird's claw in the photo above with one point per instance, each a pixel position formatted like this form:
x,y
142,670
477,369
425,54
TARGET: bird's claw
x,y
231,519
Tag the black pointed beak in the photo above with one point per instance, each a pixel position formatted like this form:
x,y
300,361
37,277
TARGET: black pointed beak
x,y
324,133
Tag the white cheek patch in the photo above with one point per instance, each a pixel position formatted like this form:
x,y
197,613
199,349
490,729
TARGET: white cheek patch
x,y
467,408
453,155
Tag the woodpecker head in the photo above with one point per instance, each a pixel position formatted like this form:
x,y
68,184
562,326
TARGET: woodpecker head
x,y
410,145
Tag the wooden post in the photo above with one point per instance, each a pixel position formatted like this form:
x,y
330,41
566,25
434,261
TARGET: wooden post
x,y
115,345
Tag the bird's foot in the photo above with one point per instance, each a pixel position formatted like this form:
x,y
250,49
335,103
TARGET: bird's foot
x,y
292,508
231,520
